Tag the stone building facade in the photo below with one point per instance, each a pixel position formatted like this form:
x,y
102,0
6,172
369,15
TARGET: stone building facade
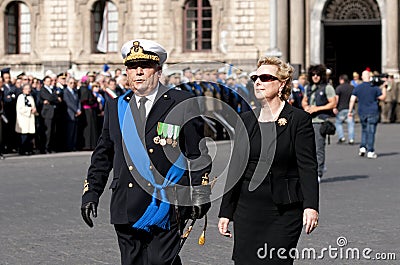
x,y
345,35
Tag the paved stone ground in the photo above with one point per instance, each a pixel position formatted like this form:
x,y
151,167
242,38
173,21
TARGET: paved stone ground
x,y
40,219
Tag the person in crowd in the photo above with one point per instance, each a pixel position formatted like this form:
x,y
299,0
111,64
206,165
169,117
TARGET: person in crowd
x,y
60,113
234,99
10,94
187,75
2,117
244,92
356,80
25,123
271,189
91,75
101,101
88,119
40,135
296,97
117,73
221,75
61,81
387,105
329,76
174,79
368,96
121,84
25,80
144,219
319,100
303,81
53,82
343,94
72,101
111,90
396,103
49,101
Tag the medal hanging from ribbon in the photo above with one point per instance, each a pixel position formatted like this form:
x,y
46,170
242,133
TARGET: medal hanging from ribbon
x,y
175,135
170,132
167,134
163,140
156,139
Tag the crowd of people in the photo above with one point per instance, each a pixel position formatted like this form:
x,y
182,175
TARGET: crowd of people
x,y
61,113
66,114
54,114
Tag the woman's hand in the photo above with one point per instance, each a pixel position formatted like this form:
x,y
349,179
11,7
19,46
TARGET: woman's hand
x,y
310,219
223,227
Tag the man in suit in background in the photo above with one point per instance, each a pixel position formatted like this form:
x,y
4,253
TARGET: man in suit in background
x,y
73,104
149,134
49,100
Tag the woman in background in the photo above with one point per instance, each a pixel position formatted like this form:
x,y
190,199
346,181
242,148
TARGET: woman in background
x,y
25,124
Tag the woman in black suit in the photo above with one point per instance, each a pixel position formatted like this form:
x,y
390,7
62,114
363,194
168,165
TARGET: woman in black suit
x,y
272,188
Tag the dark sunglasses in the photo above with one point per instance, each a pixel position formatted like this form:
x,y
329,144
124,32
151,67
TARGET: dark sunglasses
x,y
264,78
315,74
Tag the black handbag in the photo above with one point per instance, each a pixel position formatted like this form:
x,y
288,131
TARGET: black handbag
x,y
327,128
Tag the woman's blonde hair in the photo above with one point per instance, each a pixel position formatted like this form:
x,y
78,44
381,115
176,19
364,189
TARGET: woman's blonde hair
x,y
284,73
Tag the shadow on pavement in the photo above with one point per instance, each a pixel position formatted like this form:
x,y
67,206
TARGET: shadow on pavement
x,y
344,178
388,154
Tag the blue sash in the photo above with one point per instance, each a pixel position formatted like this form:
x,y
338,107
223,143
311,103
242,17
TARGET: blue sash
x,y
155,215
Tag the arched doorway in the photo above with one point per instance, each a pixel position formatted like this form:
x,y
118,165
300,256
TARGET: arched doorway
x,y
352,33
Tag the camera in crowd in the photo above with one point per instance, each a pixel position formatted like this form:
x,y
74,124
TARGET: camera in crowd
x,y
378,80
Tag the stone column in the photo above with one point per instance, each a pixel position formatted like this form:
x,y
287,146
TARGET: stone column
x,y
392,22
273,41
283,28
297,30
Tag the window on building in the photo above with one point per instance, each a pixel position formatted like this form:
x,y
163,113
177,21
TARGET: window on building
x,y
105,27
17,28
197,25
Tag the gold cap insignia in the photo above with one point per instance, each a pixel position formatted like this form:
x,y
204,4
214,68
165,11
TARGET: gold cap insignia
x,y
138,54
282,122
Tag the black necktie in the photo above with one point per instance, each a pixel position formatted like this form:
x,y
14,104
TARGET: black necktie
x,y
142,109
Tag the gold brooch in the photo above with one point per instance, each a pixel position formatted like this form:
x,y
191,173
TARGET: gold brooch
x,y
282,122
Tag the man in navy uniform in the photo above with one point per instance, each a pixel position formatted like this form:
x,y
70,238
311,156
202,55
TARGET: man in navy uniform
x,y
152,137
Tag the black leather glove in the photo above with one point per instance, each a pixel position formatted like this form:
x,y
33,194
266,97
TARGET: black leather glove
x,y
201,201
87,209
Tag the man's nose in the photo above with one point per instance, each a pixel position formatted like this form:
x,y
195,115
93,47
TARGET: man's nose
x,y
139,71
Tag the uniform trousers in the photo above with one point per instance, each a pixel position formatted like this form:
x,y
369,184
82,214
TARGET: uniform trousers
x,y
142,248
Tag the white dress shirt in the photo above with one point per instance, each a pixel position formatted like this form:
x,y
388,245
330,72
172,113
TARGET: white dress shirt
x,y
150,100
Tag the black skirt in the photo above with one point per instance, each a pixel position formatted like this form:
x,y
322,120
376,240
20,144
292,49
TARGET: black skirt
x,y
260,225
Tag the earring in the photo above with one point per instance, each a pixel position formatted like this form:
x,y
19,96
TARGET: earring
x,y
280,93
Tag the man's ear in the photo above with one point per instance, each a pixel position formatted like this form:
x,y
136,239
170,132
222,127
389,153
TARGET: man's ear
x,y
159,71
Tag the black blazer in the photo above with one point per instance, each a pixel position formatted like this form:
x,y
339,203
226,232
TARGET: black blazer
x,y
131,194
48,109
293,172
